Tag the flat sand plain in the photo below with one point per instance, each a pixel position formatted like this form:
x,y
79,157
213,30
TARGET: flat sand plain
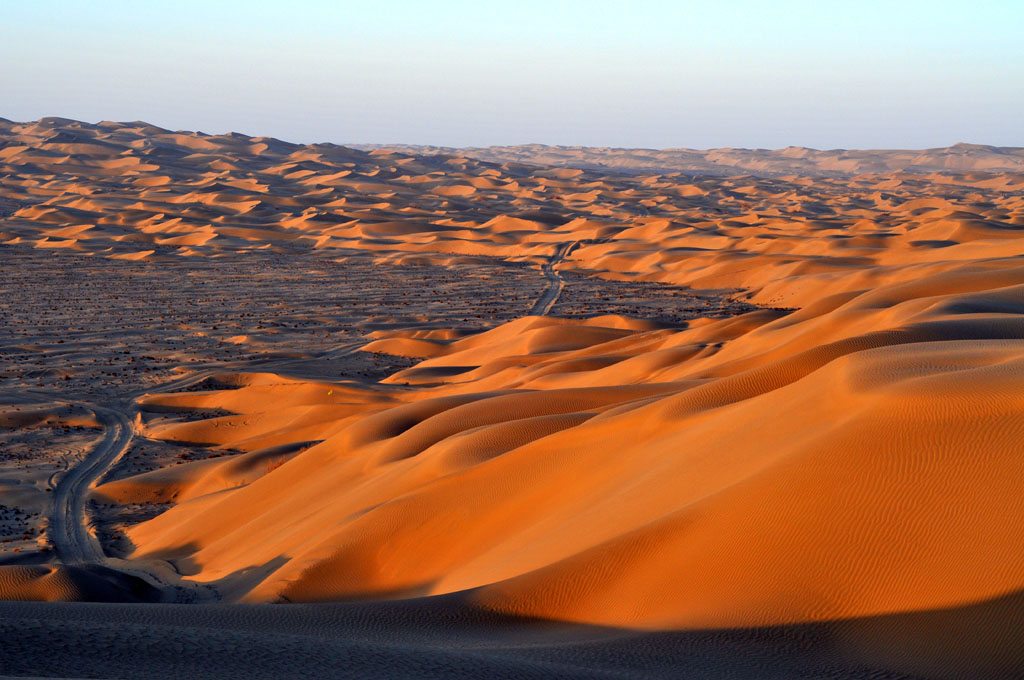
x,y
284,410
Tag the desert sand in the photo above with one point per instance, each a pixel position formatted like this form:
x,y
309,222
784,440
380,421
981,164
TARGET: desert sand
x,y
297,409
765,162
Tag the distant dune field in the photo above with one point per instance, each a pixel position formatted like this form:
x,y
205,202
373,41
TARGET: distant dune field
x,y
814,431
794,160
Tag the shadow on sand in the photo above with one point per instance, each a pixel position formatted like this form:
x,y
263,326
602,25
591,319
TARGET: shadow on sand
x,y
440,637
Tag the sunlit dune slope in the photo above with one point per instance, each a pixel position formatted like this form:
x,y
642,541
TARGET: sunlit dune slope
x,y
855,458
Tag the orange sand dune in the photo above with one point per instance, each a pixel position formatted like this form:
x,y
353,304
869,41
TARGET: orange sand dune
x,y
844,457
858,458
774,480
45,583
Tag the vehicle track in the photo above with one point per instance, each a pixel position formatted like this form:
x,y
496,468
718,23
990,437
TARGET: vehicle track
x,y
556,283
72,541
69,528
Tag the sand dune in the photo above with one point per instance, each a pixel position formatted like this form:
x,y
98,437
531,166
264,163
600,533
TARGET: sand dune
x,y
762,410
794,160
916,441
46,583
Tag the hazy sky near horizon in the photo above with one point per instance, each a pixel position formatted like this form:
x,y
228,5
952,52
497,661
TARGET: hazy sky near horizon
x,y
745,73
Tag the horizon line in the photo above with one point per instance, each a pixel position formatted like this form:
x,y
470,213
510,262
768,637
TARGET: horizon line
x,y
356,144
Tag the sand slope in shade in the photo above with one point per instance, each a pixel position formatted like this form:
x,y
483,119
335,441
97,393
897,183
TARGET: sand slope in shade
x,y
440,637
48,583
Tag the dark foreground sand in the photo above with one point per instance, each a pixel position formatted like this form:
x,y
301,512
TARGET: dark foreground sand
x,y
440,638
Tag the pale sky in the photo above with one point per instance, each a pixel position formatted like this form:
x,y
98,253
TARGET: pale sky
x,y
632,73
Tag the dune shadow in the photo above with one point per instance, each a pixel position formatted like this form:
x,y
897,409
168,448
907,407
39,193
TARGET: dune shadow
x,y
440,637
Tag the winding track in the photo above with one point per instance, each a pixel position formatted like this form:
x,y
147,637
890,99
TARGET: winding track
x,y
69,528
71,538
556,283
